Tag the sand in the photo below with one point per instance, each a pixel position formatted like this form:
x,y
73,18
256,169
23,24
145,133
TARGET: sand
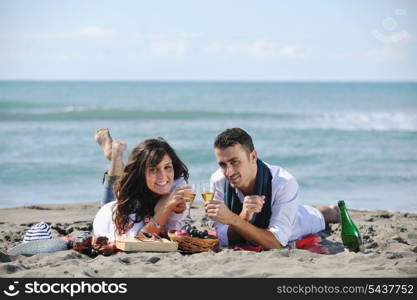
x,y
390,242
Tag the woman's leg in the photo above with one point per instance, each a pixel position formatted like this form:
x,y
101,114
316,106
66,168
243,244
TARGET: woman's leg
x,y
116,162
114,172
113,150
108,195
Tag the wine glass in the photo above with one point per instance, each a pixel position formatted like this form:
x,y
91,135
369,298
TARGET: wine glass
x,y
207,191
189,196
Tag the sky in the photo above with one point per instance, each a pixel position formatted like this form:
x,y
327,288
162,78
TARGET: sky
x,y
262,40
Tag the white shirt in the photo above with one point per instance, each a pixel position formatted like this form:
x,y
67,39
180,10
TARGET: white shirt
x,y
103,224
289,221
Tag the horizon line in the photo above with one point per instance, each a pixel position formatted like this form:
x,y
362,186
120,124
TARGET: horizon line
x,y
208,80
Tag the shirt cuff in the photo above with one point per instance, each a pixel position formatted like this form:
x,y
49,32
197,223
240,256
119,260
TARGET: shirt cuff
x,y
174,221
280,236
221,232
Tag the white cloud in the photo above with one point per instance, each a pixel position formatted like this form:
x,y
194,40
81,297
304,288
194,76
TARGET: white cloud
x,y
163,47
297,51
259,49
392,38
190,35
167,49
386,53
87,32
94,32
400,12
153,36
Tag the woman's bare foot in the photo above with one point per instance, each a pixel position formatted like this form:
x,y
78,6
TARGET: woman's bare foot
x,y
330,213
104,140
117,149
116,165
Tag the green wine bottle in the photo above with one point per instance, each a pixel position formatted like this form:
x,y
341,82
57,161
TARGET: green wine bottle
x,y
351,235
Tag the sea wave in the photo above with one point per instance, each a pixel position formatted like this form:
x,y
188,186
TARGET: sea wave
x,y
348,121
86,113
366,121
77,108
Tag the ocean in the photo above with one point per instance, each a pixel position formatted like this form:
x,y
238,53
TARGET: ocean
x,y
350,141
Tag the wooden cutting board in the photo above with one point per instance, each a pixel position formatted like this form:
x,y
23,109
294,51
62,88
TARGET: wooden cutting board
x,y
131,244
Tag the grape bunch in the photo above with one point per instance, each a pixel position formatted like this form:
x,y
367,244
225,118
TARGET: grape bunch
x,y
194,232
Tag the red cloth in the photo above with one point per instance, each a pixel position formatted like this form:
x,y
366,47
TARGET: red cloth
x,y
98,246
310,243
248,248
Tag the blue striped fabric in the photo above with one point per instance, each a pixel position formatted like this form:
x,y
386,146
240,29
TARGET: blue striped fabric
x,y
40,231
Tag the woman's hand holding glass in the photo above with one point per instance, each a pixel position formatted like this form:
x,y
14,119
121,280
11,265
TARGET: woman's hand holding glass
x,y
178,198
189,195
175,201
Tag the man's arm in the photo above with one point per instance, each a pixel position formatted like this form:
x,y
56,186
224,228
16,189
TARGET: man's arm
x,y
239,228
258,236
251,205
234,236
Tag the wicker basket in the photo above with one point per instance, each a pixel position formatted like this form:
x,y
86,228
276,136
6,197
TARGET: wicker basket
x,y
192,244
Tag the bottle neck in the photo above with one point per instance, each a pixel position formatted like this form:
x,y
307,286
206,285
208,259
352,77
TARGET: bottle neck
x,y
344,213
347,223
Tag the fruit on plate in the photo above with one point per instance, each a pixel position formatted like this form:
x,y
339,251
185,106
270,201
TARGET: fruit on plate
x,y
194,232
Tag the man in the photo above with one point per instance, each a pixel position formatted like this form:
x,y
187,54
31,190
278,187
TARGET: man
x,y
256,202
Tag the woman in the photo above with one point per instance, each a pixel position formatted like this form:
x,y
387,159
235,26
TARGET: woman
x,y
149,190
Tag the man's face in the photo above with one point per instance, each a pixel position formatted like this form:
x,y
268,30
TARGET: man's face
x,y
238,166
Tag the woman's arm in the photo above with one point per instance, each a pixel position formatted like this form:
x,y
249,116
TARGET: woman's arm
x,y
164,208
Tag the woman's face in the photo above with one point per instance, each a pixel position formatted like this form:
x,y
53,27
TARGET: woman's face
x,y
160,178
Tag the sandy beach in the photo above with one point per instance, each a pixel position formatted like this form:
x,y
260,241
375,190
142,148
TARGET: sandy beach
x,y
390,242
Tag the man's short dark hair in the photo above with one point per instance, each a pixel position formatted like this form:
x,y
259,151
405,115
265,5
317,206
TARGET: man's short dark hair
x,y
233,136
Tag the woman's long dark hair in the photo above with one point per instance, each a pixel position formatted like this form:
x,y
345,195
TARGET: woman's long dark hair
x,y
131,190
